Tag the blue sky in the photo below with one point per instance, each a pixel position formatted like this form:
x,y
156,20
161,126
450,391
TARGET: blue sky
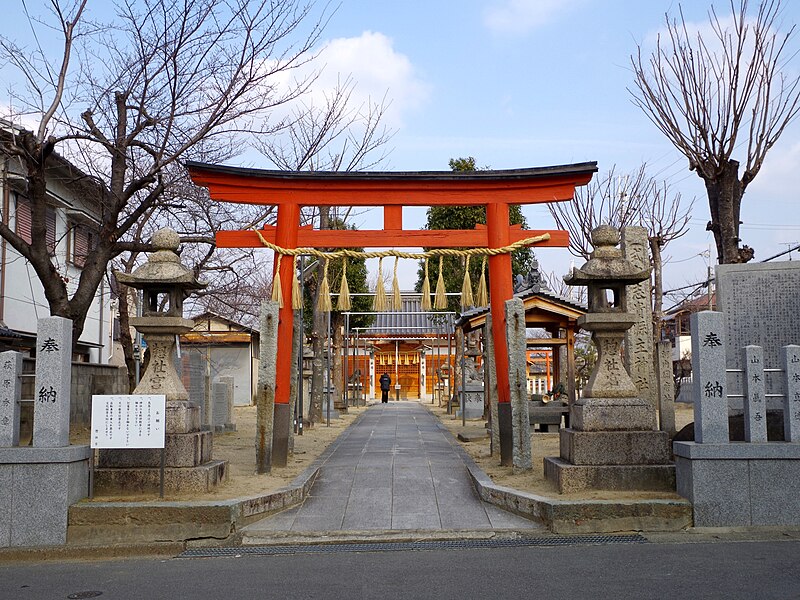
x,y
519,83
522,83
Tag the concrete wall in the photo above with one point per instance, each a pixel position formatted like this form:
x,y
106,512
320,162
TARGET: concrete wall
x,y
87,379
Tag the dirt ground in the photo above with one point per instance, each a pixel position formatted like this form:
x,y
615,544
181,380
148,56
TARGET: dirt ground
x,y
542,445
238,448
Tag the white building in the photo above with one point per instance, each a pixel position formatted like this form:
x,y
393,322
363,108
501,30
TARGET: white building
x,y
72,224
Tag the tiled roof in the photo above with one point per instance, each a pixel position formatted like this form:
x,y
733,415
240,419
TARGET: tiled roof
x,y
410,321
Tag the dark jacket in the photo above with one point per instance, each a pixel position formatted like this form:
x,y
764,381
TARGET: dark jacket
x,y
385,382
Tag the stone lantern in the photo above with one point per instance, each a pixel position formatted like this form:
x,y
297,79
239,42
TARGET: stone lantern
x,y
612,442
607,275
164,282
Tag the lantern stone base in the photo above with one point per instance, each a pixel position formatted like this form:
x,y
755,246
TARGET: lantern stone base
x,y
187,459
592,448
612,414
612,444
203,478
575,478
181,450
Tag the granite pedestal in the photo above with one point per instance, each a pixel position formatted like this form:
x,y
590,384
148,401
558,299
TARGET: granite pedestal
x,y
740,484
612,445
37,486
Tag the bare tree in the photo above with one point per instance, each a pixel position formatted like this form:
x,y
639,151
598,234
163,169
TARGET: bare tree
x,y
628,199
334,135
614,198
162,83
666,219
712,95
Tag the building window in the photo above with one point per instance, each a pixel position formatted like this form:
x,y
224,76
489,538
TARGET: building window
x,y
24,219
24,223
82,240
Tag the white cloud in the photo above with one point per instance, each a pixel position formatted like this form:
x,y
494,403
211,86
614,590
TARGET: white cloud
x,y
377,70
521,16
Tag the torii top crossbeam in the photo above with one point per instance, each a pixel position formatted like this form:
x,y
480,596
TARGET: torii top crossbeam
x,y
494,189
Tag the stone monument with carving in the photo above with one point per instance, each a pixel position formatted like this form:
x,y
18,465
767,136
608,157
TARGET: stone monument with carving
x,y
164,282
612,442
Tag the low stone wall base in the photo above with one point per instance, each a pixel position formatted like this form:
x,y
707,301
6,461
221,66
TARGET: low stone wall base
x,y
203,478
575,478
740,484
37,486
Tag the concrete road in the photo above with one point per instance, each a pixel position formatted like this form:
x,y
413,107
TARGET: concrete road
x,y
729,570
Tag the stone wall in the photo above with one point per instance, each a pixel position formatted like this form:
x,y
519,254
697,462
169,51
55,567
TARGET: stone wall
x,y
87,379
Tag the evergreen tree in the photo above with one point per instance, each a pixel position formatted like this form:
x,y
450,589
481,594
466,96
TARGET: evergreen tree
x,y
466,217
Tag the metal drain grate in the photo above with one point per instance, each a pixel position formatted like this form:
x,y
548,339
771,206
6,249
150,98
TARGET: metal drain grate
x,y
412,546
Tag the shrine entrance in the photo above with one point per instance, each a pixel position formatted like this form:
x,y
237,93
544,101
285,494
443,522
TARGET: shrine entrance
x,y
291,190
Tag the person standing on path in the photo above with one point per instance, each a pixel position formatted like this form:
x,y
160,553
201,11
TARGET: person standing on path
x,y
386,384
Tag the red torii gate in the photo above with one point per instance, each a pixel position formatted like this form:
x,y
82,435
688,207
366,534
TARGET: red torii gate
x,y
291,190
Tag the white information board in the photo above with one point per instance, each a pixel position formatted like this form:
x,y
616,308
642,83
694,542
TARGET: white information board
x,y
128,421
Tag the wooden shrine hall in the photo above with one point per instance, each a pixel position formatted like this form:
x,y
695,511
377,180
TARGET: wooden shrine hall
x,y
289,191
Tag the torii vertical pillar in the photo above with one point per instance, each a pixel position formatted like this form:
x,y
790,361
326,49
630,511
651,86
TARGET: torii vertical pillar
x,y
501,289
286,237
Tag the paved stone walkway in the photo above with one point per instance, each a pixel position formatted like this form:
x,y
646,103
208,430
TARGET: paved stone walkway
x,y
396,468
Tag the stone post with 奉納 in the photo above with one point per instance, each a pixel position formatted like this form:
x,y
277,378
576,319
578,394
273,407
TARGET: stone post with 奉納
x,y
189,465
52,388
612,442
711,388
38,483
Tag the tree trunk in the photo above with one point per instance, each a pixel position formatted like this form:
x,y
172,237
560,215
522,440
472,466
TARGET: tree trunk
x,y
724,200
658,288
125,338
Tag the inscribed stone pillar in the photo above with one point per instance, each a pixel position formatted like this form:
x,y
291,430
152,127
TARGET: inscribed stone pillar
x,y
231,383
755,402
517,376
490,384
10,395
666,387
219,397
639,338
52,387
265,403
708,371
790,361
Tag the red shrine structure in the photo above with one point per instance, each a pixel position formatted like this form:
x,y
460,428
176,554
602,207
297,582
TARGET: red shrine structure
x,y
291,190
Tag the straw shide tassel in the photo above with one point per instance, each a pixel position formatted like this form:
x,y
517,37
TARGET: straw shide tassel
x,y
379,303
440,300
426,289
397,301
297,294
277,290
483,294
344,290
466,287
324,296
